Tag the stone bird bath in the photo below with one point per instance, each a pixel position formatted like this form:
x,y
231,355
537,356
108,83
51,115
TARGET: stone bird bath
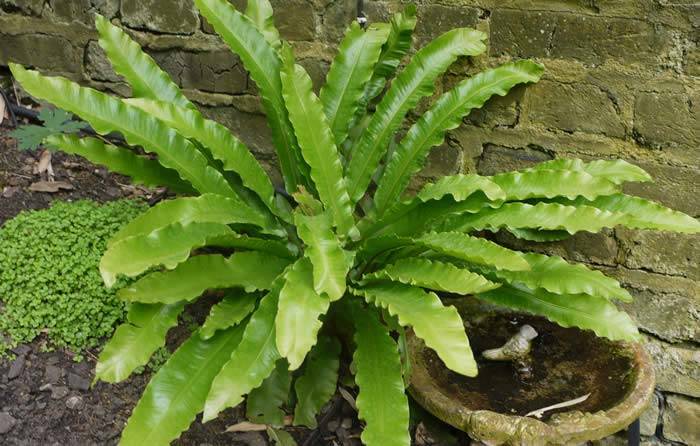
x,y
563,364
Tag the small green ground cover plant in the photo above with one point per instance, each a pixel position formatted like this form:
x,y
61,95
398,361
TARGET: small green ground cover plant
x,y
343,249
49,275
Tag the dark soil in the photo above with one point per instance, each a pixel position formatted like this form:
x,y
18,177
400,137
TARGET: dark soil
x,y
45,397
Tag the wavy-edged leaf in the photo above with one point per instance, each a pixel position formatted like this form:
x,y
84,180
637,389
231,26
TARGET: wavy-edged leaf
x,y
300,307
167,246
107,114
123,161
330,262
350,71
381,401
316,386
264,66
568,310
474,249
435,275
553,183
640,213
440,327
556,275
207,208
232,240
250,270
416,81
617,171
178,390
396,47
250,363
280,437
546,216
220,142
260,13
232,309
446,114
135,341
461,187
139,69
264,403
316,141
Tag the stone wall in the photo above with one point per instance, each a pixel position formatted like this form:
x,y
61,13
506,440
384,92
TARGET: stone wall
x,y
622,80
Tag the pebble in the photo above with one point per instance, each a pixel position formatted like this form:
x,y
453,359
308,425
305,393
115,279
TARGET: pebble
x,y
6,422
16,367
75,402
52,374
77,382
333,425
21,350
347,423
59,392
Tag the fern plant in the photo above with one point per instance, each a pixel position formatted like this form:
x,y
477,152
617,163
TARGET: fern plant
x,y
345,247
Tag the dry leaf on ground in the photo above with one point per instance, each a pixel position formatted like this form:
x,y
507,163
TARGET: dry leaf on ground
x,y
50,186
246,426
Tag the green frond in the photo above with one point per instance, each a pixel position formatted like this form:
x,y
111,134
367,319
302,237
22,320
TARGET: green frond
x,y
415,82
317,384
264,403
553,183
231,311
617,171
260,13
249,270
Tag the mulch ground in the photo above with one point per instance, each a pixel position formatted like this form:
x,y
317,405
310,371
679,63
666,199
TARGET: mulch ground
x,y
46,398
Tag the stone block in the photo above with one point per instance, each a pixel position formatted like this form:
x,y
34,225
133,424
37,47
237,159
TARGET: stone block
x,y
97,66
584,38
673,186
682,420
667,119
496,159
30,7
51,53
317,70
250,128
573,107
434,20
662,252
442,160
337,16
215,71
677,368
295,19
163,16
650,418
69,11
499,111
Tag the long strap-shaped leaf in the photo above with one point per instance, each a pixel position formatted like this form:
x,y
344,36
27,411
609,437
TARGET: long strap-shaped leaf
x,y
568,310
416,81
177,392
264,403
548,216
447,114
253,360
139,69
315,387
107,114
316,141
349,73
263,64
300,307
556,275
382,401
135,341
617,171
232,309
250,270
207,208
474,249
440,327
643,214
222,144
396,47
435,275
553,183
461,187
330,262
260,13
140,169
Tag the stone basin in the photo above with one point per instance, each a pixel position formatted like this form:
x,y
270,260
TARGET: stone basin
x,y
564,364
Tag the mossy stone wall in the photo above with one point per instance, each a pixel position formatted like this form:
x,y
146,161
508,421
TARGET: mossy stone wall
x,y
622,80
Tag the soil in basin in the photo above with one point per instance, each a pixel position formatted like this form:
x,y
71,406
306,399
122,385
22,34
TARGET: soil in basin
x,y
564,364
